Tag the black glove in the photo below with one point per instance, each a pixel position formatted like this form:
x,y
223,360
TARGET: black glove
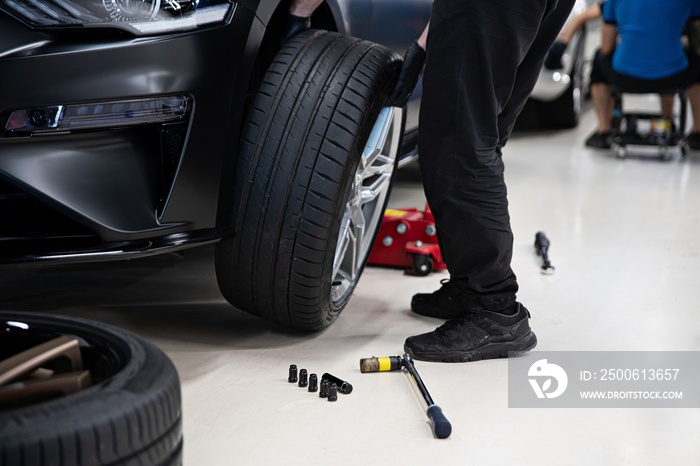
x,y
553,59
413,61
293,25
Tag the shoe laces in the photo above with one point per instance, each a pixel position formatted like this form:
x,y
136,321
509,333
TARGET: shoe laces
x,y
456,324
447,287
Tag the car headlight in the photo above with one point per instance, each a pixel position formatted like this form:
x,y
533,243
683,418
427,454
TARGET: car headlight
x,y
136,16
92,115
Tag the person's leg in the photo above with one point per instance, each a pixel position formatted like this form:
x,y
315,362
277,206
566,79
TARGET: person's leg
x,y
694,99
693,138
667,103
484,57
475,49
528,70
602,102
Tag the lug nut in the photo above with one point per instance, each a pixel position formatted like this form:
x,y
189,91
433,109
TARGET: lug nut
x,y
292,374
333,392
342,386
313,382
303,378
323,392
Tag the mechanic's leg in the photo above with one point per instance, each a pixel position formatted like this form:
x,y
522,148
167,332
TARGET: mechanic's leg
x,y
529,69
473,76
475,49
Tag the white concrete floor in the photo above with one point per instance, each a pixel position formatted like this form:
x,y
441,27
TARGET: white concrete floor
x,y
625,240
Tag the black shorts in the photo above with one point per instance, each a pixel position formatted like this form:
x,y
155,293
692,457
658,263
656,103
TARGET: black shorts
x,y
603,72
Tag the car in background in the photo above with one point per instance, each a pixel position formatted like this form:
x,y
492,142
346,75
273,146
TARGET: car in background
x,y
559,95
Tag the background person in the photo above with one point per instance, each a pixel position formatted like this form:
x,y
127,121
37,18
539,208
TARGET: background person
x,y
641,49
553,59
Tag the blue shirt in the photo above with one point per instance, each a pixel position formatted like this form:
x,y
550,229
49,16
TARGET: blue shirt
x,y
650,35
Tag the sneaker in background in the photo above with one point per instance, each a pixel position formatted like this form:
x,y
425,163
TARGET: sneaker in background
x,y
599,140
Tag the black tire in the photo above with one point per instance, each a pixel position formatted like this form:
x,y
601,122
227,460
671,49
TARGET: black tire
x,y
566,110
130,414
300,151
422,264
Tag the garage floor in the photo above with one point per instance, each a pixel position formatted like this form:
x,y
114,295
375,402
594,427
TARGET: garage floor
x,y
625,240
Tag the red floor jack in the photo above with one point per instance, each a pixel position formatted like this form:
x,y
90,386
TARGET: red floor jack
x,y
407,238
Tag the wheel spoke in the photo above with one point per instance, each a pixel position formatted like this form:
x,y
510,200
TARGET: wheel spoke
x,y
357,219
367,197
345,240
378,187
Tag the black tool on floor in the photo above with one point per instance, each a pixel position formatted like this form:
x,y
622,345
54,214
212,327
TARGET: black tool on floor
x,y
313,383
292,374
441,426
303,378
343,386
542,248
332,392
323,391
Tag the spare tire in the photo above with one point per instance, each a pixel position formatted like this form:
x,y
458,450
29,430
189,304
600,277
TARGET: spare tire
x,y
73,391
314,171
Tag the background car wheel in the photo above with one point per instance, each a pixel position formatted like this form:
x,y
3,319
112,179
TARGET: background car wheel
x,y
74,391
315,168
566,110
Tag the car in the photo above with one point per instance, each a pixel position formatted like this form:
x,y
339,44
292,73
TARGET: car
x,y
559,95
133,128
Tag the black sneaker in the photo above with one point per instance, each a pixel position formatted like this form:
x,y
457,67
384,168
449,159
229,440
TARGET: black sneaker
x,y
481,334
445,303
599,140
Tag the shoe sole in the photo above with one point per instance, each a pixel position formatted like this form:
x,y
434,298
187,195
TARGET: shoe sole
x,y
489,351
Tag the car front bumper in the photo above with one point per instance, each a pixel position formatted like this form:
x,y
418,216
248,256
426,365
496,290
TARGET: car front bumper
x,y
132,189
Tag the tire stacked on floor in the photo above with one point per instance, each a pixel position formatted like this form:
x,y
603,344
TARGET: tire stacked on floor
x,y
130,414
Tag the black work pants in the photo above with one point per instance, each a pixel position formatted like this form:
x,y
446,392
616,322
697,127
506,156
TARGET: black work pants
x,y
484,57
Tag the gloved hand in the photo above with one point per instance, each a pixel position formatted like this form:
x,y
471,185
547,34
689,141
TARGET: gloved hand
x,y
293,25
413,61
552,61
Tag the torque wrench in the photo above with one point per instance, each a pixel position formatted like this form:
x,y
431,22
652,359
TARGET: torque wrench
x,y
441,426
542,247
